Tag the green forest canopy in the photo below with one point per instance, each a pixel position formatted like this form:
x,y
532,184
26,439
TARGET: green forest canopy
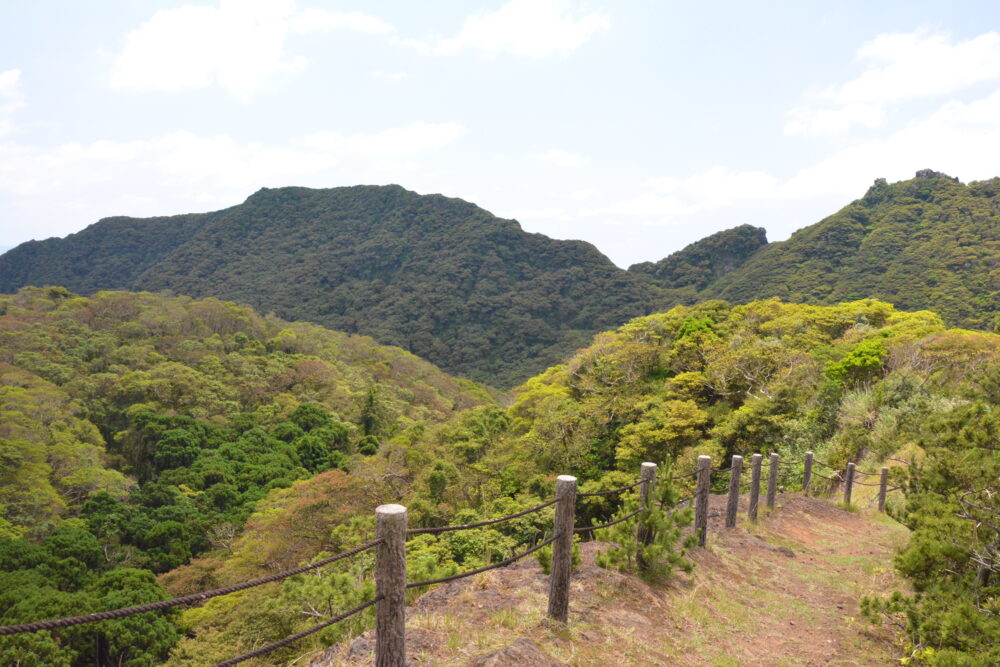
x,y
147,434
481,298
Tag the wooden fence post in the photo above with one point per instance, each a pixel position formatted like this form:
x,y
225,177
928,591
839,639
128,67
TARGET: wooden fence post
x,y
646,496
701,498
883,484
648,476
562,548
733,503
807,473
772,481
390,584
754,486
848,483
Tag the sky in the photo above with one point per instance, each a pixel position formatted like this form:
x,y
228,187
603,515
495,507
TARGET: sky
x,y
638,125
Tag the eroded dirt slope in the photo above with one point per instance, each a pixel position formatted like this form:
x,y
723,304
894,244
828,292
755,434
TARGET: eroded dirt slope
x,y
782,592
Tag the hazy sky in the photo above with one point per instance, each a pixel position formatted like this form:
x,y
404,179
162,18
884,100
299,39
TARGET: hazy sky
x,y
639,126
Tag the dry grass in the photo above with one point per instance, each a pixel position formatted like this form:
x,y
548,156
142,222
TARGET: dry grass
x,y
783,591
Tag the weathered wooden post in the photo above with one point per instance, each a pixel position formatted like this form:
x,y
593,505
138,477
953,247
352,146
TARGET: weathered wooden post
x,y
883,484
701,498
648,476
848,483
646,491
562,548
754,486
772,481
733,503
807,473
390,585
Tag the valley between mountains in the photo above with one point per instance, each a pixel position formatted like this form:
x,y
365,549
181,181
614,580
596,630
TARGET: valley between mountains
x,y
193,402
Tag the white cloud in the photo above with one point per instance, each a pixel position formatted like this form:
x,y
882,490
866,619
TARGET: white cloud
x,y
239,45
11,98
667,199
391,77
959,138
311,20
219,164
529,28
809,120
561,158
397,142
901,67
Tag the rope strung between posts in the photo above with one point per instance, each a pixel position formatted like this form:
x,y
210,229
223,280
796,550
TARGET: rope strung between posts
x,y
592,494
176,602
480,524
587,529
836,478
299,635
677,503
815,460
859,483
494,566
867,474
690,474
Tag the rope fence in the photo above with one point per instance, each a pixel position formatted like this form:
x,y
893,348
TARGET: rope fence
x,y
291,639
179,601
392,534
594,494
487,568
480,524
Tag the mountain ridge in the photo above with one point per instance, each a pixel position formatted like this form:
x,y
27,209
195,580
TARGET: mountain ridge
x,y
479,296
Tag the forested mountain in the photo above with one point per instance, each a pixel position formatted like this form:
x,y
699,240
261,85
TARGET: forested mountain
x,y
148,434
930,242
139,430
480,297
437,276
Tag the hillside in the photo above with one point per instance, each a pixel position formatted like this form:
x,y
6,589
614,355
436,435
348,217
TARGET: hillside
x,y
480,297
782,592
439,277
703,263
927,243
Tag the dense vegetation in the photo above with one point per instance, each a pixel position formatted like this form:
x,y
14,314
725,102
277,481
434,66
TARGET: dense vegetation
x,y
481,298
439,277
138,431
145,434
930,242
700,265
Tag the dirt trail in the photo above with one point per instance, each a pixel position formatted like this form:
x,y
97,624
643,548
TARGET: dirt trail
x,y
782,592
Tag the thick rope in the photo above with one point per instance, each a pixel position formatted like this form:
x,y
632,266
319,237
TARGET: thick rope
x,y
838,478
690,474
176,602
297,636
479,524
592,494
494,566
587,529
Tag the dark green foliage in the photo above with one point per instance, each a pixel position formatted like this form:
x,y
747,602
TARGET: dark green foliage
x,y
437,276
702,263
480,297
927,243
953,557
663,547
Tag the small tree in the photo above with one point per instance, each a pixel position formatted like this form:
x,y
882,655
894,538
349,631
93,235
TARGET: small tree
x,y
663,546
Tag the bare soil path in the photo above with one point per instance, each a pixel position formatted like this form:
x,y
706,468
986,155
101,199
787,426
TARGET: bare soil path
x,y
783,591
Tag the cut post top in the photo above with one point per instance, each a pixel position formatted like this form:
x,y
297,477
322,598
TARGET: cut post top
x,y
566,478
647,465
390,509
